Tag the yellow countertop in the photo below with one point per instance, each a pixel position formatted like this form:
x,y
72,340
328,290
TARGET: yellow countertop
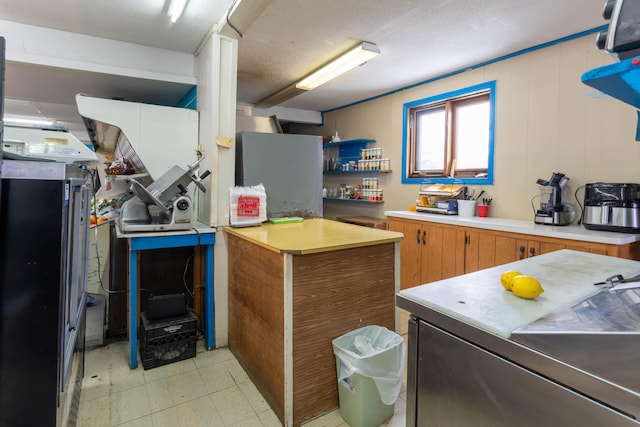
x,y
313,236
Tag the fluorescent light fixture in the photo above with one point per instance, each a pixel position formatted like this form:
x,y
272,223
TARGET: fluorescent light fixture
x,y
356,56
280,96
351,59
27,121
176,7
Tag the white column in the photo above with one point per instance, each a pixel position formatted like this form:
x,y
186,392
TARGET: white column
x,y
216,69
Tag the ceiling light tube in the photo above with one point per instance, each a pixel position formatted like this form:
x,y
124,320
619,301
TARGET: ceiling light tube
x,y
356,56
176,7
27,121
279,97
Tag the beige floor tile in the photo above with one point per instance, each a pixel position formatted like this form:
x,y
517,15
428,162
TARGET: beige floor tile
x,y
129,404
207,358
331,419
236,371
216,377
195,413
249,422
175,390
124,378
169,370
95,412
269,419
139,422
232,406
254,397
211,389
95,387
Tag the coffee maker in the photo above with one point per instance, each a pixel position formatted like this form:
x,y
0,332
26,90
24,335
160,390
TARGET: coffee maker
x,y
554,209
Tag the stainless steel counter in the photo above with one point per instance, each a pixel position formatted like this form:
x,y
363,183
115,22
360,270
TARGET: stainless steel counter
x,y
471,338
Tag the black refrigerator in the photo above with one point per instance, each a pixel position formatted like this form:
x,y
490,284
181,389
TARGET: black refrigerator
x,y
44,215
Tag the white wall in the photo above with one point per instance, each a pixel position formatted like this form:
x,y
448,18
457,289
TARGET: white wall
x,y
547,121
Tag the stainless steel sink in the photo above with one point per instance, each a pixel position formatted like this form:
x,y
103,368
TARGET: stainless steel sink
x,y
600,335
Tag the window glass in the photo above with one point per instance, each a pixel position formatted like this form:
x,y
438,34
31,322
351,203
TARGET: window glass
x,y
431,129
472,136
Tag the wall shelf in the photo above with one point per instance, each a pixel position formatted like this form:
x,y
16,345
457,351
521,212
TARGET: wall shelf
x,y
353,200
358,171
348,149
621,80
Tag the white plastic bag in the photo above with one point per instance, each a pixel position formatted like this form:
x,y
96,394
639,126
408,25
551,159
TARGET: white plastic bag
x,y
384,360
248,205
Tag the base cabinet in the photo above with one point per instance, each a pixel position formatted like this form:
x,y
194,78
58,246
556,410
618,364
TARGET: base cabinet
x,y
436,249
433,251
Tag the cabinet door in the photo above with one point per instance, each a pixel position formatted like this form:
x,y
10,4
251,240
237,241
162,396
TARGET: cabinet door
x,y
431,264
507,249
410,250
428,252
453,252
527,248
444,254
480,250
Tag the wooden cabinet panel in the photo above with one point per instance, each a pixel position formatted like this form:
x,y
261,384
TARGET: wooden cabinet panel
x,y
487,252
507,249
432,264
471,250
432,251
428,251
410,250
480,250
453,252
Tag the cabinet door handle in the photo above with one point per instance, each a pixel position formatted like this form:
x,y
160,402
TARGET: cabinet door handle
x,y
521,252
532,251
467,239
424,237
418,237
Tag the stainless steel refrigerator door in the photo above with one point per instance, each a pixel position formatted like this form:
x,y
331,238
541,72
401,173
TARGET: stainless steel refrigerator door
x,y
289,167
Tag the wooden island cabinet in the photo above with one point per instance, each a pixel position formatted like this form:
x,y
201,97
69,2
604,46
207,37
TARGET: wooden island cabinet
x,y
295,287
439,247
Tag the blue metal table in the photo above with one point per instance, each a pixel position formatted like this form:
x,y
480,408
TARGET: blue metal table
x,y
197,236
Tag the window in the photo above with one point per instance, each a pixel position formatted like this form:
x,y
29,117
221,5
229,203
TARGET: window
x,y
449,137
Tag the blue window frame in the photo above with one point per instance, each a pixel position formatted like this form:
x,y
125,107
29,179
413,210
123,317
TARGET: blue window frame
x,y
449,138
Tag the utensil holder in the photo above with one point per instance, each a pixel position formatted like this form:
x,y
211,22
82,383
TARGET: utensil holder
x,y
466,208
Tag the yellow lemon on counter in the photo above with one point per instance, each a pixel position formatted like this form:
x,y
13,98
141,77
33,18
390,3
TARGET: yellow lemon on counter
x,y
526,287
507,277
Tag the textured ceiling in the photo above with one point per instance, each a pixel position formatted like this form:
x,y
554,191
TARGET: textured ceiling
x,y
418,40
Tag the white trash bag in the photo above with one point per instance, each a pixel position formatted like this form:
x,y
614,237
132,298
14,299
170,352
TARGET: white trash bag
x,y
248,205
374,352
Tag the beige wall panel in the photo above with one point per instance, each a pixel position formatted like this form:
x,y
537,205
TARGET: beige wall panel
x,y
512,107
547,120
571,111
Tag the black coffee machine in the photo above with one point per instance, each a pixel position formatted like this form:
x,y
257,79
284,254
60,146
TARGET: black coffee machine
x,y
554,209
612,207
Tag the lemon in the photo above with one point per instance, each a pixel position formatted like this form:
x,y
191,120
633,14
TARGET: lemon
x,y
507,277
526,287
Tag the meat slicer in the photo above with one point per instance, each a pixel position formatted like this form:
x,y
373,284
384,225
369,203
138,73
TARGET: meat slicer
x,y
164,205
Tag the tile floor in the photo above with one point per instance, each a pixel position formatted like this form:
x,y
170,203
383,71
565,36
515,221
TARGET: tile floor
x,y
209,390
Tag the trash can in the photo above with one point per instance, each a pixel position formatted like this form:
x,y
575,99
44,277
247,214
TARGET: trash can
x,y
370,362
